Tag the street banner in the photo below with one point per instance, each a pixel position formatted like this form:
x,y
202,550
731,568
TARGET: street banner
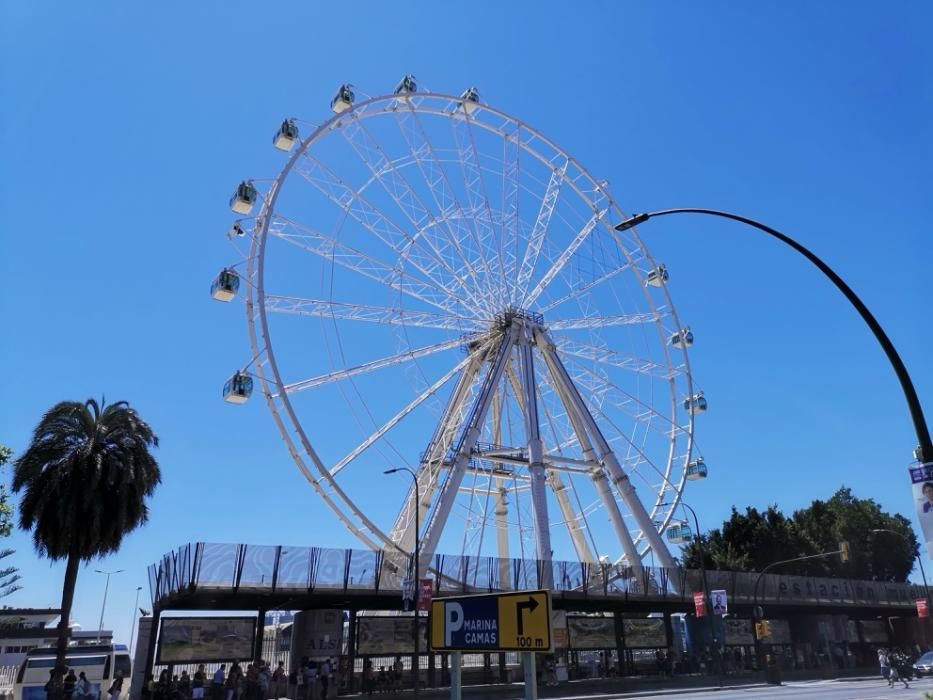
x,y
699,602
923,607
720,602
559,633
921,478
425,591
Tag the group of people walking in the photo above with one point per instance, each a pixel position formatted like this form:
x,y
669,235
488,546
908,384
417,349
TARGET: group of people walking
x,y
895,666
80,688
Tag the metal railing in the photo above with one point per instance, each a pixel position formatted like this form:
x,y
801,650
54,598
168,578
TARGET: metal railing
x,y
299,570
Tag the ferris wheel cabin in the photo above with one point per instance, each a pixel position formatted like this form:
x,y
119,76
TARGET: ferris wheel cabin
x,y
406,87
238,388
343,100
658,276
225,285
695,404
682,338
697,470
286,137
469,99
679,533
236,231
244,198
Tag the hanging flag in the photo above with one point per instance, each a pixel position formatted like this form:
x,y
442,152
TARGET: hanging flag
x,y
425,591
921,477
720,602
699,602
923,607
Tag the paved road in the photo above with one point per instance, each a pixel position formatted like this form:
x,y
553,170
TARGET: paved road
x,y
816,690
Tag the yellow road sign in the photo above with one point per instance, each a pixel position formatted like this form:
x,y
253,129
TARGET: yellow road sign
x,y
519,621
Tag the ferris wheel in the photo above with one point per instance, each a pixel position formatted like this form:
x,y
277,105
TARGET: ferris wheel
x,y
431,283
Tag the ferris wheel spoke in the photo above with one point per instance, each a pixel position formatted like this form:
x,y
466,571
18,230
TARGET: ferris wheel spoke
x,y
444,194
397,418
623,400
565,257
511,188
330,249
411,206
323,308
428,262
402,357
539,230
604,355
579,290
575,324
478,200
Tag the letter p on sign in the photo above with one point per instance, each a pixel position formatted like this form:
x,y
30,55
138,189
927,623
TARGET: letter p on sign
x,y
453,621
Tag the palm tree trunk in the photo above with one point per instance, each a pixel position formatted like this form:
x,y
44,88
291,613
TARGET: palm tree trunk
x,y
68,594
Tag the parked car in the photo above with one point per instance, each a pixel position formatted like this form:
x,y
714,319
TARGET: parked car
x,y
924,665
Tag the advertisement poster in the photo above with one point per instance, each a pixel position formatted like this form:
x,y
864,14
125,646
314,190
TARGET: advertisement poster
x,y
720,602
738,632
559,635
874,631
389,635
647,633
592,632
184,640
921,479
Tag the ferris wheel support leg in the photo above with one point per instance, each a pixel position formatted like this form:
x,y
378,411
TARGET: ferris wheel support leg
x,y
535,458
403,533
502,507
577,536
606,455
448,494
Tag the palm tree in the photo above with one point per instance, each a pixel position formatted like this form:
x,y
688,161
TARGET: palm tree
x,y
85,477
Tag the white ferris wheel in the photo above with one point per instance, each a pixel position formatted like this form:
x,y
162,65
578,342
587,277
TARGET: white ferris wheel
x,y
431,283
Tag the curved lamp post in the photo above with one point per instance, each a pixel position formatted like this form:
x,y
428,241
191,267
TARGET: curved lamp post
x,y
926,590
924,451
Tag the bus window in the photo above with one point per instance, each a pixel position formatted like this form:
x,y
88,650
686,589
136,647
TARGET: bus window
x,y
122,665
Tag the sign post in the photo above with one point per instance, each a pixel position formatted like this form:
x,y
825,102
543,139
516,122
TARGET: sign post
x,y
518,621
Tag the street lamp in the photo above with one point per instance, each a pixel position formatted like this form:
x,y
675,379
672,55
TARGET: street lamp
x,y
103,605
924,450
133,622
926,590
414,476
706,597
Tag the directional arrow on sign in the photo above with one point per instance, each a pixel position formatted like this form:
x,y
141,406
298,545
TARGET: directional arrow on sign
x,y
530,605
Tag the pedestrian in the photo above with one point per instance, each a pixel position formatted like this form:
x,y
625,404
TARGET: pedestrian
x,y
217,683
68,687
884,664
397,668
116,687
265,679
279,680
197,684
368,678
84,686
325,678
310,680
184,685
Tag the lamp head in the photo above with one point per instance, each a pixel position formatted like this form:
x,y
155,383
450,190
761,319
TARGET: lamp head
x,y
632,221
391,471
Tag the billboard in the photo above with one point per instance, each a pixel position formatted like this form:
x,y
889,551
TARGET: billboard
x,y
921,479
591,632
738,632
184,640
389,635
648,633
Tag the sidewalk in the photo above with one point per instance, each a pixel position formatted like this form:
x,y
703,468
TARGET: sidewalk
x,y
626,687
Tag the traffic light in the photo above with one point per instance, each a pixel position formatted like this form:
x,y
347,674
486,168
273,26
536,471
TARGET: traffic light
x,y
844,552
762,629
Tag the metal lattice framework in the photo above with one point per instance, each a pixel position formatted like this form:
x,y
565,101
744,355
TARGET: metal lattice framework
x,y
447,283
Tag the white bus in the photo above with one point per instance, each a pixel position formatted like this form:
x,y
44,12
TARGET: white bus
x,y
99,662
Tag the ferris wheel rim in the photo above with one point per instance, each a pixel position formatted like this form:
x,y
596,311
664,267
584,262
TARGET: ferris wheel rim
x,y
274,388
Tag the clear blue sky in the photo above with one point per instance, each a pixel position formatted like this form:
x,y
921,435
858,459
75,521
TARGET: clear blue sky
x,y
124,127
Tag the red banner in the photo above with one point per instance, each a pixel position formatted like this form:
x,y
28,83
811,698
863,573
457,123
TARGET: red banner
x,y
923,607
699,602
425,590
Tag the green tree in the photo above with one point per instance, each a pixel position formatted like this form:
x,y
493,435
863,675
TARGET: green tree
x,y
85,478
750,541
6,510
881,556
